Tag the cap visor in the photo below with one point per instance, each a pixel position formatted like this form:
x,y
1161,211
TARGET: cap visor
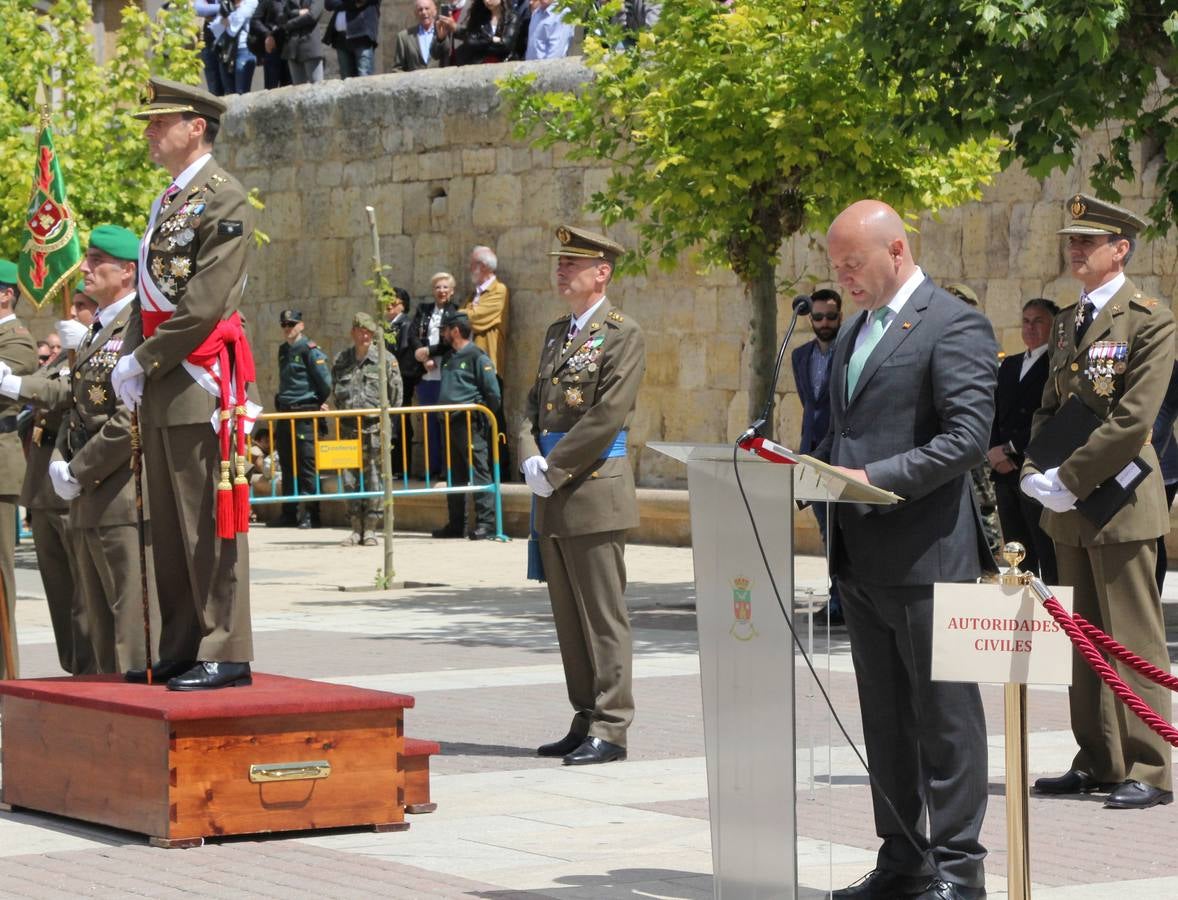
x,y
1084,229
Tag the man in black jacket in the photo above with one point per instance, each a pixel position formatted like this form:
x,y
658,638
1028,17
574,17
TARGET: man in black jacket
x,y
396,338
1020,388
353,29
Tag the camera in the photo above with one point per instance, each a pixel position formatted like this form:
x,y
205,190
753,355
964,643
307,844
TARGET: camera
x,y
226,7
447,10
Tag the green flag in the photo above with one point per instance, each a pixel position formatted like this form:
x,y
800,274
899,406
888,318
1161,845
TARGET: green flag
x,y
51,251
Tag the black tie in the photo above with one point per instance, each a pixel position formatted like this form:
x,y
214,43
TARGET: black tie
x,y
1087,314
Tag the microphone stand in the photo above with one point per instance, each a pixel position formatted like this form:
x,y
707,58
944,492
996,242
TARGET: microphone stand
x,y
753,439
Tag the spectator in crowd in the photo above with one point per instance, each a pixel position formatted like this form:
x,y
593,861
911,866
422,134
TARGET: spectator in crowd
x,y
549,35
487,310
355,379
636,16
1021,378
425,337
468,376
44,354
979,475
1167,447
811,365
209,11
304,384
302,48
266,43
84,308
233,25
53,339
422,46
396,338
486,34
354,31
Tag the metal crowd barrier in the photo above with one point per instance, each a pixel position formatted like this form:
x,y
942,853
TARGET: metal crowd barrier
x,y
336,453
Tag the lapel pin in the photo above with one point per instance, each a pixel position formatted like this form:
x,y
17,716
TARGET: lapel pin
x,y
906,325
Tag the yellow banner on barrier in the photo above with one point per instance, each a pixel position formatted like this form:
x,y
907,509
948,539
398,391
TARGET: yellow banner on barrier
x,y
338,454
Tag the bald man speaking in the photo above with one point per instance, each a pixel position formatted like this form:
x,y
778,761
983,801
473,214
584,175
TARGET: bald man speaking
x,y
912,400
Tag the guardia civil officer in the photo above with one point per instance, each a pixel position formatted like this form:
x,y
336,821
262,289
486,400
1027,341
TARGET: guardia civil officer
x,y
304,384
1114,350
19,352
193,373
573,446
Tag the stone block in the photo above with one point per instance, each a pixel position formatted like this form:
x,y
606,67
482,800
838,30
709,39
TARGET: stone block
x,y
940,246
498,201
1035,247
1004,302
478,161
438,166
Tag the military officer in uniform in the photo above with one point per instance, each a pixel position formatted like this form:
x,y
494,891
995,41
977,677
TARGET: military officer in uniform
x,y
49,513
1114,350
193,374
304,384
19,352
355,377
93,473
573,447
468,376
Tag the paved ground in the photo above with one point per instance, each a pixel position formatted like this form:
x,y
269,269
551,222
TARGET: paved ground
x,y
471,639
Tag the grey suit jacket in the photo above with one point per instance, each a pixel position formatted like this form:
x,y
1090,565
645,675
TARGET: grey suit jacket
x,y
918,421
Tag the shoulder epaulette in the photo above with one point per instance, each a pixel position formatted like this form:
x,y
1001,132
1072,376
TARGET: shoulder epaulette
x,y
615,315
1148,303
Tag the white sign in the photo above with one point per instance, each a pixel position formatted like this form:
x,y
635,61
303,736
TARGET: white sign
x,y
1000,634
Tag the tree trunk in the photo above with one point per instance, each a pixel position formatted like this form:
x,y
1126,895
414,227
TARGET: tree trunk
x,y
762,292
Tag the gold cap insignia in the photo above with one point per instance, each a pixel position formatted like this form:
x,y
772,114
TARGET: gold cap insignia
x,y
563,235
1077,207
150,92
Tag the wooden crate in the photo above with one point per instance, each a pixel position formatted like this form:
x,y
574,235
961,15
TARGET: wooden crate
x,y
286,754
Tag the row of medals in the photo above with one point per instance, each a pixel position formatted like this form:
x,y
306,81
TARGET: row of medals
x,y
1106,359
585,360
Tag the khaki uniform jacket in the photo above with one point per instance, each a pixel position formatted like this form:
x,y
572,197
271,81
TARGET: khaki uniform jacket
x,y
588,391
37,491
205,277
488,322
18,350
1146,326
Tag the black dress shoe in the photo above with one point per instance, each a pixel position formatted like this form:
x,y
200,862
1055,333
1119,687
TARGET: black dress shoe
x,y
594,750
880,884
950,890
1135,795
207,676
481,534
305,522
160,672
563,747
446,532
1073,781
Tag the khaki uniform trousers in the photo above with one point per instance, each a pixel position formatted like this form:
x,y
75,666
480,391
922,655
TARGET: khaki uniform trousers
x,y
586,578
53,544
1115,589
201,580
108,570
8,574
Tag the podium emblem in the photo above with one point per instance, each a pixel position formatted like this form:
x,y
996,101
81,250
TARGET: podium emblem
x,y
742,609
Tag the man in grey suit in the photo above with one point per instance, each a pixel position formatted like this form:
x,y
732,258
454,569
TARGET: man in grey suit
x,y
912,400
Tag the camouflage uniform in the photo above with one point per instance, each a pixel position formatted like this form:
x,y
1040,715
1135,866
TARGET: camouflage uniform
x,y
357,386
987,499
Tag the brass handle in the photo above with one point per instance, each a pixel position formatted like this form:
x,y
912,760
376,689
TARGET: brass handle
x,y
291,771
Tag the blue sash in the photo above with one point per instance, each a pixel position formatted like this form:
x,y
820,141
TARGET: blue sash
x,y
616,449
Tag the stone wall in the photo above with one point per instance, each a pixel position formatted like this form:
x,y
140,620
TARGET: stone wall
x,y
432,151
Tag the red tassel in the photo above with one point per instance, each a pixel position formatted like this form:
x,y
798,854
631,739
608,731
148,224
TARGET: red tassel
x,y
241,506
226,524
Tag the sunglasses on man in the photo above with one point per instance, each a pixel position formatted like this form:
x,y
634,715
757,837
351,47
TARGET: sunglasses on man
x,y
829,316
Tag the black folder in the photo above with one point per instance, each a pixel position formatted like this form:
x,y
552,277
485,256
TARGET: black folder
x,y
1067,431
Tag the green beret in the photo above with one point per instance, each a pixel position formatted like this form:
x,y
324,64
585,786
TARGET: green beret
x,y
113,240
7,272
364,320
80,287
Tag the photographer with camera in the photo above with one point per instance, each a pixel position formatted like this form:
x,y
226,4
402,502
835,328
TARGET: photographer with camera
x,y
230,28
424,46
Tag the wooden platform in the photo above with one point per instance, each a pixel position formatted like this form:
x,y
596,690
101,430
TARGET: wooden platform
x,y
285,754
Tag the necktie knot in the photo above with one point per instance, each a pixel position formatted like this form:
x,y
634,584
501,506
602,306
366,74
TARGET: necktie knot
x,y
170,194
1085,313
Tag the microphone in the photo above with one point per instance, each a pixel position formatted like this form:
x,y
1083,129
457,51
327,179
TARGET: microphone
x,y
801,306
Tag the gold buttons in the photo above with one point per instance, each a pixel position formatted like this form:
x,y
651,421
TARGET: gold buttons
x,y
556,381
1075,367
548,406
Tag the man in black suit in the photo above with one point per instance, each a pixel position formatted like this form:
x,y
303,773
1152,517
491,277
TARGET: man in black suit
x,y
911,403
811,365
354,31
1021,378
423,46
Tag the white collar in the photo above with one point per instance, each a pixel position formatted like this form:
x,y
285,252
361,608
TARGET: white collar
x,y
583,319
485,285
182,180
1104,293
108,315
7,318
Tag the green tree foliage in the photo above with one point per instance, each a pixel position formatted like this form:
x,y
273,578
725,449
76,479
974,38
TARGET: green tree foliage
x,y
729,128
1043,72
101,150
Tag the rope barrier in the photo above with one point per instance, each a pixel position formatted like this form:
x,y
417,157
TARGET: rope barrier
x,y
1079,635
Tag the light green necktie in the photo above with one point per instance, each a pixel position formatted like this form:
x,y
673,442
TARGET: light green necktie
x,y
875,330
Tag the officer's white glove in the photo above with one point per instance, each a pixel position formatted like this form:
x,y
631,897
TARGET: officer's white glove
x,y
65,484
9,383
71,332
1048,490
534,468
127,380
